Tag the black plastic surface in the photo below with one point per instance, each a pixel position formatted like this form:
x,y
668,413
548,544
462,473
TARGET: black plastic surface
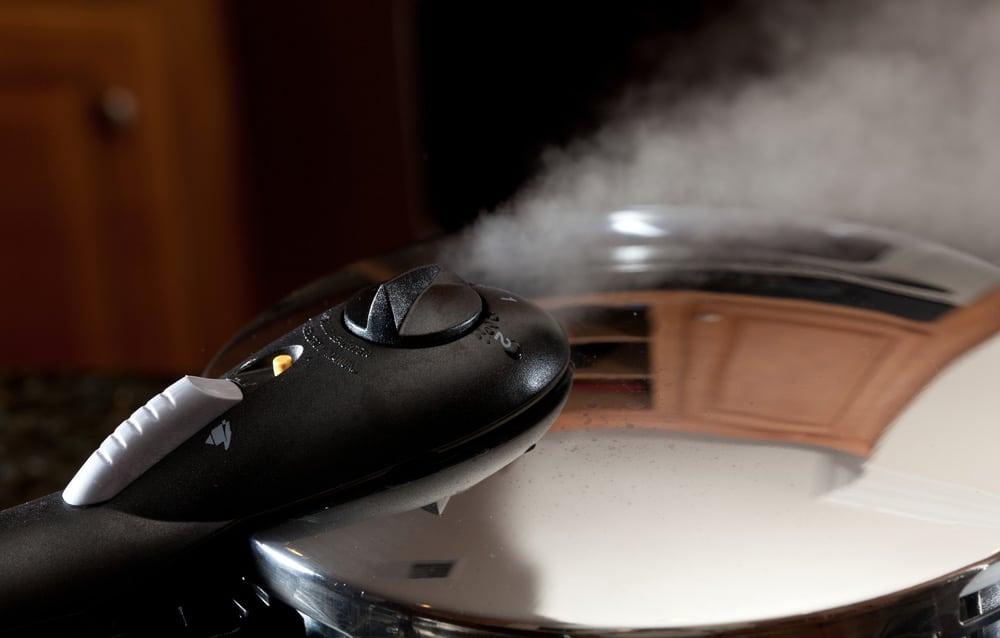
x,y
424,306
349,418
350,410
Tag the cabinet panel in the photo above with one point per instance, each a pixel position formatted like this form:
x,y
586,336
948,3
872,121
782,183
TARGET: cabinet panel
x,y
776,367
109,247
795,372
49,274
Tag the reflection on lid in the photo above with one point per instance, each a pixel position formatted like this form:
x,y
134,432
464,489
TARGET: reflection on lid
x,y
754,367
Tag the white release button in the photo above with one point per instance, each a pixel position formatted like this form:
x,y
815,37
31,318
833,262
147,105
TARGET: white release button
x,y
152,432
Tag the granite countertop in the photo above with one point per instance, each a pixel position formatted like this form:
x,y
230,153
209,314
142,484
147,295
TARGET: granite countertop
x,y
50,423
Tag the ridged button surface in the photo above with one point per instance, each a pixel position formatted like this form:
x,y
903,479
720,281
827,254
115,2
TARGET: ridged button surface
x,y
424,306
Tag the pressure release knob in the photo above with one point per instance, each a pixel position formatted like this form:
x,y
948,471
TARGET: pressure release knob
x,y
421,307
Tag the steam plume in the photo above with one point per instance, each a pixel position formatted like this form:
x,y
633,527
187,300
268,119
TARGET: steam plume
x,y
886,113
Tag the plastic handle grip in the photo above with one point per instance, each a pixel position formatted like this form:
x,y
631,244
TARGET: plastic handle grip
x,y
152,432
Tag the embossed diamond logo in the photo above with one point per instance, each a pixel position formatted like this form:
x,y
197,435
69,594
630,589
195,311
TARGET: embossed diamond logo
x,y
221,434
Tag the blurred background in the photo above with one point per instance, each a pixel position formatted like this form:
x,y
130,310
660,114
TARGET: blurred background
x,y
169,168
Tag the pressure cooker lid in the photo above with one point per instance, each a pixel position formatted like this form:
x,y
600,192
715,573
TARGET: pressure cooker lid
x,y
768,422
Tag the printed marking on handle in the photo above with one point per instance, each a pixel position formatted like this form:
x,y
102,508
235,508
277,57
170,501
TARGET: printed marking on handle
x,y
510,346
221,434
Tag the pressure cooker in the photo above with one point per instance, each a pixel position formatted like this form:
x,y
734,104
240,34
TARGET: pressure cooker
x,y
774,429
758,428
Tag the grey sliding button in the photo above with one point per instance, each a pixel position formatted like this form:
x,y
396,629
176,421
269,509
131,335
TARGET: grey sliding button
x,y
152,432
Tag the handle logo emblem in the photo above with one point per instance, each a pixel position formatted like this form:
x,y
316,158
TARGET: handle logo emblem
x,y
221,434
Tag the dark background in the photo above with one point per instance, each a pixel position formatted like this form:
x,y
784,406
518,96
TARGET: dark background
x,y
427,114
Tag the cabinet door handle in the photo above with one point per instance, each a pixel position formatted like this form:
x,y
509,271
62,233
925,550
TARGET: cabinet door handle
x,y
118,108
708,317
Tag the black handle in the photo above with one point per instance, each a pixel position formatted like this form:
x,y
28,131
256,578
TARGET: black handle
x,y
429,383
58,559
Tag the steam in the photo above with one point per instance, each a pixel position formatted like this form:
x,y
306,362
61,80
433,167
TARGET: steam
x,y
886,113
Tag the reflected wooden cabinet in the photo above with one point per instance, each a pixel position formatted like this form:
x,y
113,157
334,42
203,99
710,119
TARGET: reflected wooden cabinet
x,y
814,374
116,186
755,367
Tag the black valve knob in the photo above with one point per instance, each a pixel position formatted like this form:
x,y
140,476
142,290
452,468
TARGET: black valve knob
x,y
421,307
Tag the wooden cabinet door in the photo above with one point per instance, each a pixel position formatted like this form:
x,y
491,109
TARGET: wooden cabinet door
x,y
106,250
50,255
790,371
